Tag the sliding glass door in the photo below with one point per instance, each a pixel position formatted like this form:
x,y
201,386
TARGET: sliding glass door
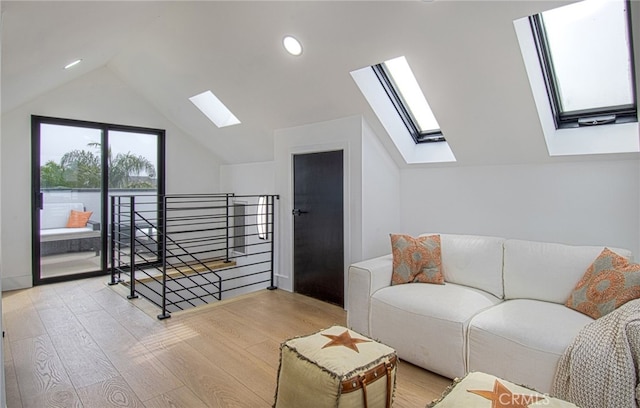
x,y
76,166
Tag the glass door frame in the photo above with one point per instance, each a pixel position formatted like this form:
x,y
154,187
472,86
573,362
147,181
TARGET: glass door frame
x,y
36,197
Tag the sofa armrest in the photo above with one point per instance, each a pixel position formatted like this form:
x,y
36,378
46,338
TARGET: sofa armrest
x,y
94,225
364,279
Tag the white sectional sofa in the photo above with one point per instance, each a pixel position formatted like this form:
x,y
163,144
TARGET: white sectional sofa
x,y
500,311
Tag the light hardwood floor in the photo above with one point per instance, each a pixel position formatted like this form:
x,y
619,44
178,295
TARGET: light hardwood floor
x,y
83,344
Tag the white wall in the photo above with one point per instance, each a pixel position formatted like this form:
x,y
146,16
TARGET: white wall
x,y
579,203
371,180
250,178
337,134
380,195
100,97
3,394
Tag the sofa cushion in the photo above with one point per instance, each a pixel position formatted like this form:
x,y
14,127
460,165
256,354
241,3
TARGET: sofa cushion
x,y
416,259
56,215
610,282
474,261
59,234
522,340
435,316
546,271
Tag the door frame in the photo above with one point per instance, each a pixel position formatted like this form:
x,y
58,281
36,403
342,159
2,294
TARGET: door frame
x,y
36,120
285,271
294,218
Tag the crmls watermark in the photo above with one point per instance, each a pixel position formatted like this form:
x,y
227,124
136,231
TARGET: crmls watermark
x,y
509,399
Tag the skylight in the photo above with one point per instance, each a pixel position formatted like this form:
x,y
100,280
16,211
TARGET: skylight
x,y
414,99
580,66
392,98
585,51
214,109
402,88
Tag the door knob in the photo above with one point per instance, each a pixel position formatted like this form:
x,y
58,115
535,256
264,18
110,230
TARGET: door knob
x,y
297,211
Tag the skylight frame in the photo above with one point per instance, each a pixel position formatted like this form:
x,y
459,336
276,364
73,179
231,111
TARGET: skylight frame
x,y
604,115
404,111
214,109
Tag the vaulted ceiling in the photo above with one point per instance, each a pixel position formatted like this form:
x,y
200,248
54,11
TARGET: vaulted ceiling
x,y
465,56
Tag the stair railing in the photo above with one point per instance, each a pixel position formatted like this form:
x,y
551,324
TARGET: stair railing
x,y
174,251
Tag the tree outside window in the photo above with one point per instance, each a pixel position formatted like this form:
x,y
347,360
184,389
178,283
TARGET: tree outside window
x,y
81,169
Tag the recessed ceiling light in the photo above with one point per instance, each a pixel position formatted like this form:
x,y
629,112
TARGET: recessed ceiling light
x,y
73,64
292,45
214,109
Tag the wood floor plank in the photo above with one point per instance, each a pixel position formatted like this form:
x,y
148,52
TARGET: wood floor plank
x,y
248,370
81,356
6,348
12,391
221,355
95,284
55,399
267,351
182,397
24,324
137,322
264,317
416,386
172,331
45,297
224,323
116,342
78,299
301,311
41,376
113,392
21,318
146,376
215,387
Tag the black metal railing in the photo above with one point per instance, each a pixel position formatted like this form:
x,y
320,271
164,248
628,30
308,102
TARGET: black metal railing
x,y
182,251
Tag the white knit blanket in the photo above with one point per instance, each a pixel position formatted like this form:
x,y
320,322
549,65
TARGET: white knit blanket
x,y
601,367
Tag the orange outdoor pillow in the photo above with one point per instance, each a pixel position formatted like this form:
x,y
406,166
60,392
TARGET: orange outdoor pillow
x,y
78,219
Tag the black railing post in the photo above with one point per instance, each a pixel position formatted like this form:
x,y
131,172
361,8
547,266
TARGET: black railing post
x,y
227,226
132,248
164,314
119,238
270,228
112,252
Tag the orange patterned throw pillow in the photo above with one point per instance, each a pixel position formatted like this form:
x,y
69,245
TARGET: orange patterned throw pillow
x,y
610,282
78,219
416,259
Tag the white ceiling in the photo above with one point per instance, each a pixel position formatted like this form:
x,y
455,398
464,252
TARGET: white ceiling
x,y
464,53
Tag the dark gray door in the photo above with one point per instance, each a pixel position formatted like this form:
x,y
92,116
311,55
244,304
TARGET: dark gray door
x,y
318,244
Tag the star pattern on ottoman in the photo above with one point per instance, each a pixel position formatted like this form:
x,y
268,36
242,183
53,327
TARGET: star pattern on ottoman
x,y
345,340
502,397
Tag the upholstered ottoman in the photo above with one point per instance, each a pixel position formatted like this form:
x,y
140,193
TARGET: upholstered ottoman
x,y
480,390
335,367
